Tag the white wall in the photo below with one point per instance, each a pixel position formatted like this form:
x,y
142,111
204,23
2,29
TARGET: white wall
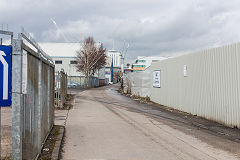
x,y
68,68
211,88
115,56
148,60
71,70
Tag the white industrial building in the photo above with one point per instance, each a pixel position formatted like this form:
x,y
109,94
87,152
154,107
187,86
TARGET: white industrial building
x,y
144,62
64,56
67,64
114,56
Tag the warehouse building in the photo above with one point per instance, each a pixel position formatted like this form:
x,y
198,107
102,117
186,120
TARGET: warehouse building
x,y
113,57
144,62
64,57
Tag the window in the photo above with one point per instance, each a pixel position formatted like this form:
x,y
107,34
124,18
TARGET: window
x,y
58,62
73,62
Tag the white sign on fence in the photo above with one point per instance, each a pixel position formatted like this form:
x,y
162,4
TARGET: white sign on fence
x,y
157,79
24,72
185,70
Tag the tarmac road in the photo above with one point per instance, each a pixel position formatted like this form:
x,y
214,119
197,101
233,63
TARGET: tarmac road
x,y
105,125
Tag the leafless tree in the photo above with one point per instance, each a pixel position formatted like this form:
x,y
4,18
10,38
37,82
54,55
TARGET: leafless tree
x,y
90,57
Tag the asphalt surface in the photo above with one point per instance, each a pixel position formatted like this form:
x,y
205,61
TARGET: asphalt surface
x,y
104,124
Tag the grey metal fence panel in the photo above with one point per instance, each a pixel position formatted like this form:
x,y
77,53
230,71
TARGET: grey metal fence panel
x,y
30,128
137,83
45,111
51,97
60,88
33,99
210,87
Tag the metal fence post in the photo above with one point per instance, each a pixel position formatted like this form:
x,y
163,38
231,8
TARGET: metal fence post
x,y
0,119
48,97
39,105
17,100
58,89
61,89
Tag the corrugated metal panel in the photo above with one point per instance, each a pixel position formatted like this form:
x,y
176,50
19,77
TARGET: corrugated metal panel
x,y
38,106
210,89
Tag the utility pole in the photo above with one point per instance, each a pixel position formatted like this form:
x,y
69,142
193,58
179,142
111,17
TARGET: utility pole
x,y
123,54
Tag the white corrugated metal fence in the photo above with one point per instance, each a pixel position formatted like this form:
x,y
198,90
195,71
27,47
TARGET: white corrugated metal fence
x,y
205,83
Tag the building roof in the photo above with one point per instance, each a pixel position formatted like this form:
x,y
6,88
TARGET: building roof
x,y
60,49
113,52
151,58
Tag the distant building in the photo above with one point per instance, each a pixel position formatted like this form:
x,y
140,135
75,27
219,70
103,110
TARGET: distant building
x,y
144,62
113,56
64,56
127,70
66,64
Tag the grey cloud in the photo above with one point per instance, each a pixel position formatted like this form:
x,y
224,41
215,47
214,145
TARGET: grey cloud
x,y
152,27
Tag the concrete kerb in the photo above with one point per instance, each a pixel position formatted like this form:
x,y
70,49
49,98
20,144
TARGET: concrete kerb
x,y
58,144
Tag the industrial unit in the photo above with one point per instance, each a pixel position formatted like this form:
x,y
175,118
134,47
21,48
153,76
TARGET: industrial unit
x,y
144,62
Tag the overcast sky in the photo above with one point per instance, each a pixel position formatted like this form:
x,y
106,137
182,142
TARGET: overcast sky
x,y
151,27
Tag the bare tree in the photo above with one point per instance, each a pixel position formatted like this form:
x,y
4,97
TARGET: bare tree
x,y
90,57
99,60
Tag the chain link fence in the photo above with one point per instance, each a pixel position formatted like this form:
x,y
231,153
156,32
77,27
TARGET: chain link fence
x,y
82,82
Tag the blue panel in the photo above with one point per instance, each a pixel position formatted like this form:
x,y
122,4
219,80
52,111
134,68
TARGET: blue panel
x,y
5,82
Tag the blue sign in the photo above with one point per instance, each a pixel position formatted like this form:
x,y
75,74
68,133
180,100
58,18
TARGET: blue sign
x,y
5,76
112,71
